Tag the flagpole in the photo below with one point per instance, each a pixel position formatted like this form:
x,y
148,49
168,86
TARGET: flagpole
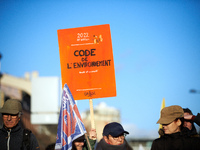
x,y
92,114
88,141
92,122
162,106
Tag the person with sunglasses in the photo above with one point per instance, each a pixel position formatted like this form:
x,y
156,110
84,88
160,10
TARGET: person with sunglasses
x,y
113,138
12,135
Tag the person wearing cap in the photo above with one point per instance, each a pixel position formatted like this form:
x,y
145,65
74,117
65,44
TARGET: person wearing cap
x,y
113,138
174,137
189,120
82,144
11,134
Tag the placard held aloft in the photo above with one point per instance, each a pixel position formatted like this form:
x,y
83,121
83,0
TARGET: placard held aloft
x,y
87,63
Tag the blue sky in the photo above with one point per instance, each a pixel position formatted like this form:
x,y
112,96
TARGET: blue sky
x,y
155,46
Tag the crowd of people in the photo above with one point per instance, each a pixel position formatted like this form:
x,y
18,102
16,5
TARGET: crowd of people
x,y
177,133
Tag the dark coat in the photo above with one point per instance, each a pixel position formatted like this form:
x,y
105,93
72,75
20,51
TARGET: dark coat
x,y
16,138
197,119
193,131
176,141
102,145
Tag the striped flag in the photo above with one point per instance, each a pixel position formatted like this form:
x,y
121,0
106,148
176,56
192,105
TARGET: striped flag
x,y
70,125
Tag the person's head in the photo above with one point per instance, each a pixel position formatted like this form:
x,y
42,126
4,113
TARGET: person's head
x,y
114,133
78,143
50,147
11,113
188,123
171,119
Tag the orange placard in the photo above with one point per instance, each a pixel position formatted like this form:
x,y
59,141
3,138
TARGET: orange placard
x,y
87,64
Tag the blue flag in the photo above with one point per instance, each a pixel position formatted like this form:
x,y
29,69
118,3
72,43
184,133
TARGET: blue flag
x,y
70,125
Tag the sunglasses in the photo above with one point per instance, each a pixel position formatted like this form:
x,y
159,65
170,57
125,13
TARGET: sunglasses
x,y
11,115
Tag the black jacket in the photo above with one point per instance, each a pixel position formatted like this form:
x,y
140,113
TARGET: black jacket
x,y
197,119
176,141
193,131
16,138
102,145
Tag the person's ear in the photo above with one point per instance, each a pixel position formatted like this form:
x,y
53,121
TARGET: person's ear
x,y
179,122
106,139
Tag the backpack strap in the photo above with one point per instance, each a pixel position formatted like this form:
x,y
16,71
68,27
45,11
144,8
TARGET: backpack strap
x,y
26,139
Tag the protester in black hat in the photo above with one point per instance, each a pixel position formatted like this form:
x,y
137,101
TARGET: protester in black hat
x,y
189,120
113,138
175,137
82,144
12,136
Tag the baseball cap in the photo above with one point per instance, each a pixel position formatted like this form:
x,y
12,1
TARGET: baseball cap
x,y
11,106
114,129
169,114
